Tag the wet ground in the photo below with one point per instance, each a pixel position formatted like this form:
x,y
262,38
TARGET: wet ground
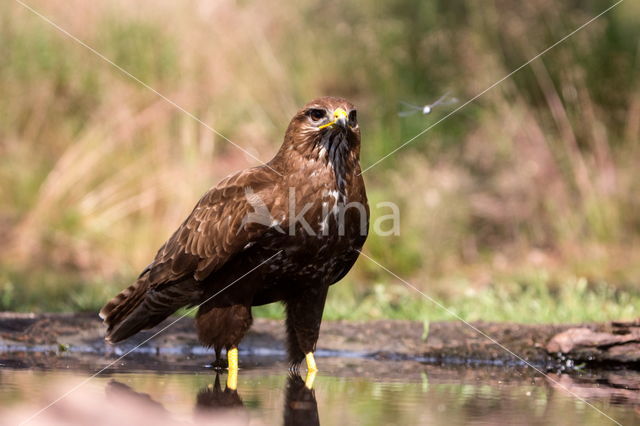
x,y
384,372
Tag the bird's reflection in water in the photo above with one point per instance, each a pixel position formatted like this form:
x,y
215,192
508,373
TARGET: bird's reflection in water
x,y
120,393
226,406
213,401
300,406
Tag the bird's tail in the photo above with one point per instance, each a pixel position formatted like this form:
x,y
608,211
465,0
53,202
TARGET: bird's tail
x,y
116,314
139,307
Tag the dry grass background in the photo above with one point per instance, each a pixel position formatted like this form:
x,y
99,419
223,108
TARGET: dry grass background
x,y
521,206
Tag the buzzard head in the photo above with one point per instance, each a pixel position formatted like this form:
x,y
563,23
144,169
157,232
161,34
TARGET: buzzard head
x,y
325,129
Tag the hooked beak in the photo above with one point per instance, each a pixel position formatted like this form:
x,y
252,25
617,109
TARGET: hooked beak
x,y
340,118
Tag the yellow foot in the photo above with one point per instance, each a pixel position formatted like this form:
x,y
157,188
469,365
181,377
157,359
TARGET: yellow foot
x,y
312,370
232,378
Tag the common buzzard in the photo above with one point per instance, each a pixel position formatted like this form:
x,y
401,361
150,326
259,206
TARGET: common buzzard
x,y
284,231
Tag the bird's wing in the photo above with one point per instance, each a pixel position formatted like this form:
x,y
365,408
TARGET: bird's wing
x,y
215,230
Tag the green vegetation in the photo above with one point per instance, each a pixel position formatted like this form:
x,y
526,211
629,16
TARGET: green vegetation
x,y
522,206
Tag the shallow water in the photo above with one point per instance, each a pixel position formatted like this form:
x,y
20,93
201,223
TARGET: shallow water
x,y
346,391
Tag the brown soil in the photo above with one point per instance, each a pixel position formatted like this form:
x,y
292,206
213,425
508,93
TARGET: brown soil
x,y
544,346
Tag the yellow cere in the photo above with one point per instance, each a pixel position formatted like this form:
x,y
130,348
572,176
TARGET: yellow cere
x,y
337,114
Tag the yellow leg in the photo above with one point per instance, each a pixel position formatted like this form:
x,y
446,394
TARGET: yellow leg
x,y
311,362
232,378
311,377
312,370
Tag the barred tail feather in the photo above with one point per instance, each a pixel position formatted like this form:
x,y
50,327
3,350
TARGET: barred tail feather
x,y
117,310
139,307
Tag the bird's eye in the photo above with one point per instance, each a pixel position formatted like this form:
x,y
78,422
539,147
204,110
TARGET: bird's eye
x,y
353,118
316,114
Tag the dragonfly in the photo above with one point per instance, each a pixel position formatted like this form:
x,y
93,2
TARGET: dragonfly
x,y
426,109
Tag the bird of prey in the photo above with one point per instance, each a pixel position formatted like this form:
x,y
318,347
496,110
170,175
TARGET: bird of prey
x,y
426,109
281,232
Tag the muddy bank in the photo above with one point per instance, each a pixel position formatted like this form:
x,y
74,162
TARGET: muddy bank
x,y
557,347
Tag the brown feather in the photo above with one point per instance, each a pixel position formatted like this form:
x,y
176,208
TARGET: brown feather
x,y
216,247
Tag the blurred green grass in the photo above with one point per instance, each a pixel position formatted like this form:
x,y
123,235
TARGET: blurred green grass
x,y
522,206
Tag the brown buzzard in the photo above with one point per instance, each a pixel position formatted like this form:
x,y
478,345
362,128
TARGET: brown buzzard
x,y
284,231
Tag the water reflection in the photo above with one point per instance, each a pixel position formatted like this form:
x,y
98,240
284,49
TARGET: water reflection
x,y
213,398
116,390
300,405
213,402
349,392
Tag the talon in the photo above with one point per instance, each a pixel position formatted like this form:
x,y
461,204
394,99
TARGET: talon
x,y
311,363
232,378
